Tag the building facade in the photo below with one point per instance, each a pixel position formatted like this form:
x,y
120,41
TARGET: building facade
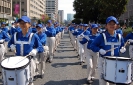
x,y
70,17
6,9
61,16
32,8
52,8
129,12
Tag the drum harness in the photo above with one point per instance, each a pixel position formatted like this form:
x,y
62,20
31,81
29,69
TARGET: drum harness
x,y
112,51
22,45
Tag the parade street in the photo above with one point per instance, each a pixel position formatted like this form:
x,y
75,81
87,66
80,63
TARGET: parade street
x,y
65,68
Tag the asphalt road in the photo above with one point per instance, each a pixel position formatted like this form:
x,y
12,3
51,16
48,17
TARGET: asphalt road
x,y
65,68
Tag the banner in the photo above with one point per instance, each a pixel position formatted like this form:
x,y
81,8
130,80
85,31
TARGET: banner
x,y
16,9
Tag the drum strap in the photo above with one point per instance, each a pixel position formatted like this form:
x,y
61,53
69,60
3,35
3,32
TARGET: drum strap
x,y
112,44
22,42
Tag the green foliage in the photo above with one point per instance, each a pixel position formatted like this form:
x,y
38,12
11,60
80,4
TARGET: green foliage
x,y
98,10
77,21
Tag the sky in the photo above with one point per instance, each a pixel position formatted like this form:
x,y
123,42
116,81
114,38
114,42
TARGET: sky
x,y
67,6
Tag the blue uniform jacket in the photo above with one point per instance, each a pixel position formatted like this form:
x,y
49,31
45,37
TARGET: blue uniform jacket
x,y
29,46
51,32
43,38
12,30
3,35
99,43
5,29
34,30
119,31
91,39
129,36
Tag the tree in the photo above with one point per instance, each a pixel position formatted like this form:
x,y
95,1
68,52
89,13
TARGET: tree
x,y
98,10
76,21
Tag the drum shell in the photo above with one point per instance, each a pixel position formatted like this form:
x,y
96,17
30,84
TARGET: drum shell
x,y
117,70
16,77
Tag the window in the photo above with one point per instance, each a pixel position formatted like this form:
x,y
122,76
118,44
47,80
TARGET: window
x,y
22,2
18,2
22,9
13,2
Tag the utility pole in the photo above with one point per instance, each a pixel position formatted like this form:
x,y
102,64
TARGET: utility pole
x,y
3,10
20,9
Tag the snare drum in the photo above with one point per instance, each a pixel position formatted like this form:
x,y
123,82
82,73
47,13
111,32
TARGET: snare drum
x,y
15,73
117,70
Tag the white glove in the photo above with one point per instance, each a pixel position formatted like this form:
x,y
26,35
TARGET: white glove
x,y
130,40
72,31
13,47
44,29
2,41
102,51
87,37
123,49
33,52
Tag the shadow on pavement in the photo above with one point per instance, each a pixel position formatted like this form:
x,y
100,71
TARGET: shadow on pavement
x,y
67,82
62,57
56,65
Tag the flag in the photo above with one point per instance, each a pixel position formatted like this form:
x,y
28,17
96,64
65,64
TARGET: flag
x,y
16,10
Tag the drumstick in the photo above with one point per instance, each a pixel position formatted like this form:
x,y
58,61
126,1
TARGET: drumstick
x,y
125,44
22,59
111,49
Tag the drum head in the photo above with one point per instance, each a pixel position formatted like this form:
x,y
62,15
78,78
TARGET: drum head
x,y
16,62
117,58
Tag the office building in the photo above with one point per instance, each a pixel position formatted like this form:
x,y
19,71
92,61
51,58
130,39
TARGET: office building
x,y
61,16
52,8
32,8
70,17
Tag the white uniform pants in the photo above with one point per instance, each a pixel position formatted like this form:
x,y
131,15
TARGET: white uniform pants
x,y
51,45
100,70
40,63
62,33
78,46
82,57
74,41
92,59
56,41
131,56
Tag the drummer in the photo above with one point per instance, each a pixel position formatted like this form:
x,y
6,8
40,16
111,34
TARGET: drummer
x,y
129,39
106,41
3,38
41,58
26,43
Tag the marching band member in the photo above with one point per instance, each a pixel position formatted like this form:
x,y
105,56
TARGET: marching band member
x,y
26,43
129,39
62,32
92,57
106,41
3,38
12,30
3,27
119,29
57,34
83,46
71,28
74,37
41,58
34,30
50,32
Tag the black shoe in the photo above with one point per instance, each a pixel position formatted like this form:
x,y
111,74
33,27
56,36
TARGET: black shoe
x,y
80,63
47,60
35,77
42,76
89,81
